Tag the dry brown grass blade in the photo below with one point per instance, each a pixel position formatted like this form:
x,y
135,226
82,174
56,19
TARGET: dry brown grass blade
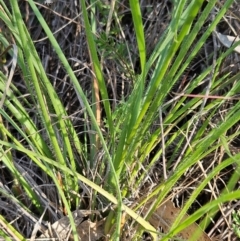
x,y
165,215
7,227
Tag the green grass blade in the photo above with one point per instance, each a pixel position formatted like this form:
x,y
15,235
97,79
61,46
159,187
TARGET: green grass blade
x,y
49,162
97,67
199,213
82,98
197,191
33,68
7,226
138,27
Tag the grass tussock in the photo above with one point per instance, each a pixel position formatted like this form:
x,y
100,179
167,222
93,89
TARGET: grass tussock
x,y
119,120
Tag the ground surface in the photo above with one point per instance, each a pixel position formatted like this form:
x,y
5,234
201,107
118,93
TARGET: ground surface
x,y
64,20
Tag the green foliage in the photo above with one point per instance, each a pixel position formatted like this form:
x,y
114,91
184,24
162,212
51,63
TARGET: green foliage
x,y
130,135
236,222
112,49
